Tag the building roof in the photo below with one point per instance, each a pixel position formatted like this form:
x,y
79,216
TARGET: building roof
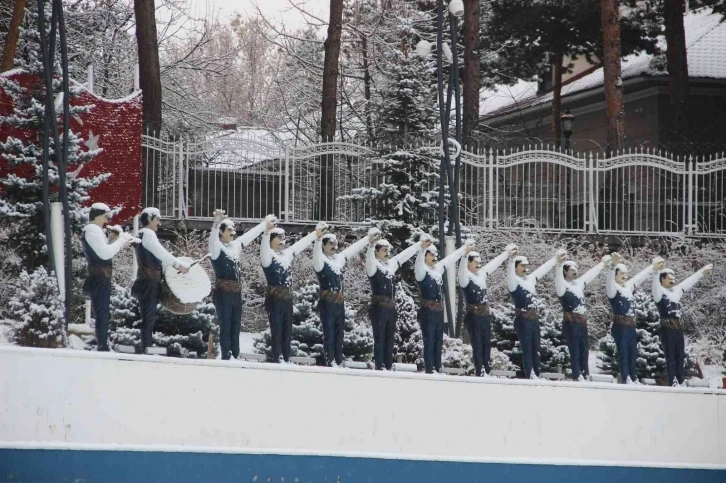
x,y
705,43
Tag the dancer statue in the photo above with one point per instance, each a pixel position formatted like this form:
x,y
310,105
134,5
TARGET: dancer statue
x,y
620,293
151,256
571,292
225,251
523,289
99,252
328,265
276,261
473,283
381,270
430,277
667,296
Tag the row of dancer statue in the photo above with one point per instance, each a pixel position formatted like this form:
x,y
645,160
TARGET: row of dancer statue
x,y
381,267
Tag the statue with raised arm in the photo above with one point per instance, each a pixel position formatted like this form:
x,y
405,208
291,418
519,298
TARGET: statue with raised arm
x,y
225,251
473,282
328,264
381,270
151,257
523,288
570,289
429,273
620,293
276,261
667,296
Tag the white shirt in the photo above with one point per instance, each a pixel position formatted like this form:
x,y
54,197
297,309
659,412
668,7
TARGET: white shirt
x,y
528,282
390,266
480,278
577,286
150,241
626,290
675,293
233,248
96,239
437,271
284,258
338,260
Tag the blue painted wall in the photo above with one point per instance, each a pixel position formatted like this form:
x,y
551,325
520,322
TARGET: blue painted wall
x,y
74,466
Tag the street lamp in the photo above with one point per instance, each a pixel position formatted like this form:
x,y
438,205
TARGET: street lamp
x,y
456,7
568,121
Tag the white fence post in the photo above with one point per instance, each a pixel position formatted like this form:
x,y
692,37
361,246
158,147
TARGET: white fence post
x,y
451,282
691,204
492,186
180,186
287,183
592,205
135,263
56,233
90,78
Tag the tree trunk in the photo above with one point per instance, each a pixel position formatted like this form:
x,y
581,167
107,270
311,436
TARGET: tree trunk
x,y
367,88
471,69
11,40
677,58
557,59
613,81
150,84
149,71
329,105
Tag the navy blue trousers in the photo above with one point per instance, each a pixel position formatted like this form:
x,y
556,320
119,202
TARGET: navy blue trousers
x,y
99,291
332,320
146,292
383,320
480,332
229,315
674,346
626,341
432,329
529,340
577,339
279,312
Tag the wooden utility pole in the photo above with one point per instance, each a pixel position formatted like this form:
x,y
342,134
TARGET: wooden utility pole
x,y
677,58
471,78
611,47
557,71
329,105
149,70
11,40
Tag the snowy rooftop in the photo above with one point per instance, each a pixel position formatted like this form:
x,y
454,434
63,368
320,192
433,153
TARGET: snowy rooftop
x,y
705,41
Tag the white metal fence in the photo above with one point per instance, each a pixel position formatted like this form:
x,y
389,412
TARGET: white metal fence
x,y
250,176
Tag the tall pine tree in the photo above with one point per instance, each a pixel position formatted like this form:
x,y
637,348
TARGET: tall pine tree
x,y
21,206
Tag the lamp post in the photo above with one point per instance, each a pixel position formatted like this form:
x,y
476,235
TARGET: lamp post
x,y
568,122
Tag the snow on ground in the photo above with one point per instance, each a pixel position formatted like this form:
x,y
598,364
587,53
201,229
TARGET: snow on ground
x,y
592,362
5,332
246,342
714,375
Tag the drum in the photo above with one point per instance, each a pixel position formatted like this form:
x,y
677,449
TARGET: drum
x,y
181,293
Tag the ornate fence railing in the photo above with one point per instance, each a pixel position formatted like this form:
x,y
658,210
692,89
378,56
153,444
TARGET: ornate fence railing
x,y
634,193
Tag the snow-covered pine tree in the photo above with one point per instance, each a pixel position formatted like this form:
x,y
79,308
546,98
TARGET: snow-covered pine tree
x,y
554,354
37,308
307,333
408,341
457,354
21,204
189,331
504,338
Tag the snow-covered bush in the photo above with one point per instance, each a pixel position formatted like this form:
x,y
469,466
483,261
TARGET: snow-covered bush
x,y
189,331
37,309
408,340
457,354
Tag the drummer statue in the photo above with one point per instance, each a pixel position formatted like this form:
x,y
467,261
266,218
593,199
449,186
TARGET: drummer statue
x,y
99,252
151,255
225,251
276,261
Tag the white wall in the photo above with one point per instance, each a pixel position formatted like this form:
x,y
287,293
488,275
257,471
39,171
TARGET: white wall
x,y
88,398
